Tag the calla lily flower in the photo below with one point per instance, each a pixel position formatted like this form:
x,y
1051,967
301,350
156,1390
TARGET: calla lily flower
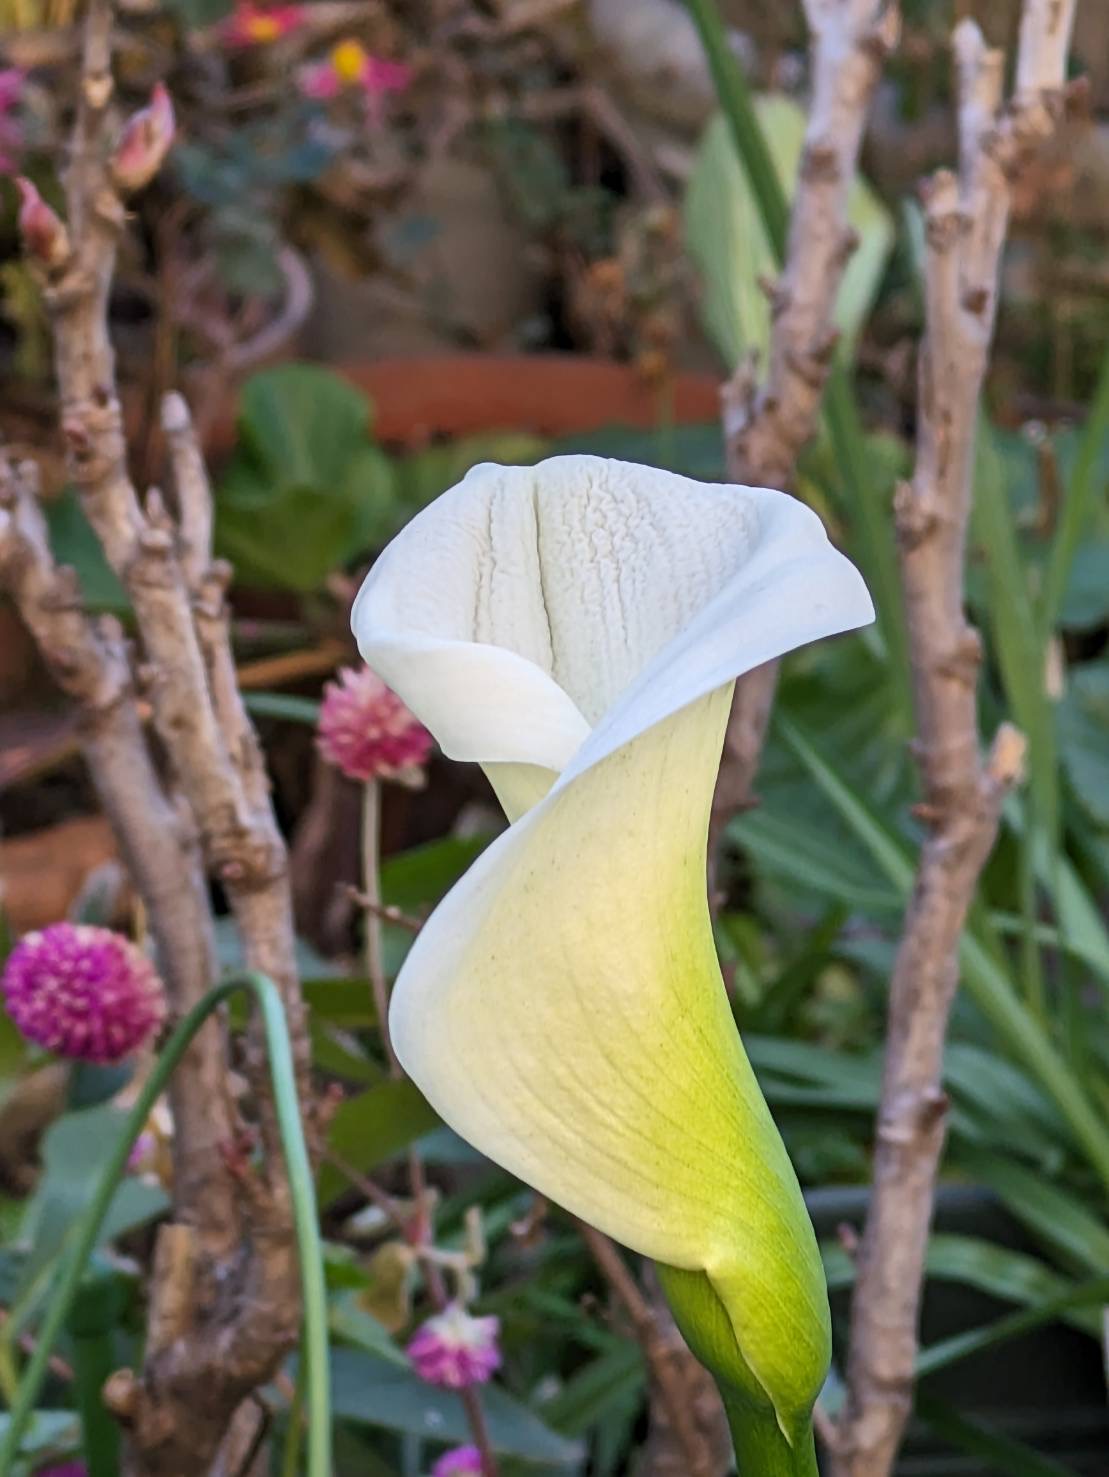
x,y
576,628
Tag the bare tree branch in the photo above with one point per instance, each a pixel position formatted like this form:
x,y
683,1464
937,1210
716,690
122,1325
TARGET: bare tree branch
x,y
89,662
680,1441
966,219
225,1299
766,424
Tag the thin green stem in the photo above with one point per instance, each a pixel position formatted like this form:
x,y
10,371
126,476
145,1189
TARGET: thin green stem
x,y
299,1171
290,1456
372,938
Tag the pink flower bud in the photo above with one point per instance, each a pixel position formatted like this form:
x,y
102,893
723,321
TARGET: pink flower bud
x,y
458,1461
145,142
454,1349
367,732
43,234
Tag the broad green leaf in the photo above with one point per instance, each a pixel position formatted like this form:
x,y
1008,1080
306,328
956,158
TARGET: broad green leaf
x,y
370,1391
73,1152
728,240
302,424
292,537
414,878
372,1127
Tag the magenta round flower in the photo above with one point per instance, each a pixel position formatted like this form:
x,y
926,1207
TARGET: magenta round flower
x,y
83,992
455,1349
457,1461
367,732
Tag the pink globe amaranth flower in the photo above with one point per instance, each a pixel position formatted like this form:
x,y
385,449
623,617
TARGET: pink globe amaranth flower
x,y
459,1460
454,1349
83,992
367,732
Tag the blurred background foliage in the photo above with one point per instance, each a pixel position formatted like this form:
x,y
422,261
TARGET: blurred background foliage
x,y
542,206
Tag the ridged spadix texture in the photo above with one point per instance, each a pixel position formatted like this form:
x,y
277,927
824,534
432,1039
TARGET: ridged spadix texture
x,y
576,628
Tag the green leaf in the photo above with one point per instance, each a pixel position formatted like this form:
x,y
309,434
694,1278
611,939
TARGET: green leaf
x,y
1090,1295
1002,1455
49,1433
1056,1216
307,490
74,1152
372,1127
729,243
984,972
610,1381
1083,725
423,475
353,1324
73,542
1013,1276
1074,514
300,534
737,106
369,1391
302,424
284,705
423,874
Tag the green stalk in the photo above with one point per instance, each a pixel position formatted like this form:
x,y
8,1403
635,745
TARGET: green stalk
x,y
760,1448
299,1171
92,1323
734,97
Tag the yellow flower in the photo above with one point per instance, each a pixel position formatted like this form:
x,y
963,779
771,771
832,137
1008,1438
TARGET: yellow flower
x,y
349,60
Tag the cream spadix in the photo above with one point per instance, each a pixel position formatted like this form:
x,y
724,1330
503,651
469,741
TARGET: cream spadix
x,y
576,628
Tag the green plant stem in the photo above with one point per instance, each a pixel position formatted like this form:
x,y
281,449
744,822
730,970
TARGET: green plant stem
x,y
372,940
760,1448
735,100
290,1456
301,1186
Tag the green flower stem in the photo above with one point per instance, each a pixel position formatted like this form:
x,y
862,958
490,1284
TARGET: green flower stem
x,y
760,1448
299,1170
92,1322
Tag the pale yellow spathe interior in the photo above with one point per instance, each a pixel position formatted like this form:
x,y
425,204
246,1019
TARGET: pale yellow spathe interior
x,y
565,1013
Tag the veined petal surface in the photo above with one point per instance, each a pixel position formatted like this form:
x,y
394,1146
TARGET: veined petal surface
x,y
576,627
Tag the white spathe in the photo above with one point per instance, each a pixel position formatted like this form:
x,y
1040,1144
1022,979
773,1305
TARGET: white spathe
x,y
576,628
